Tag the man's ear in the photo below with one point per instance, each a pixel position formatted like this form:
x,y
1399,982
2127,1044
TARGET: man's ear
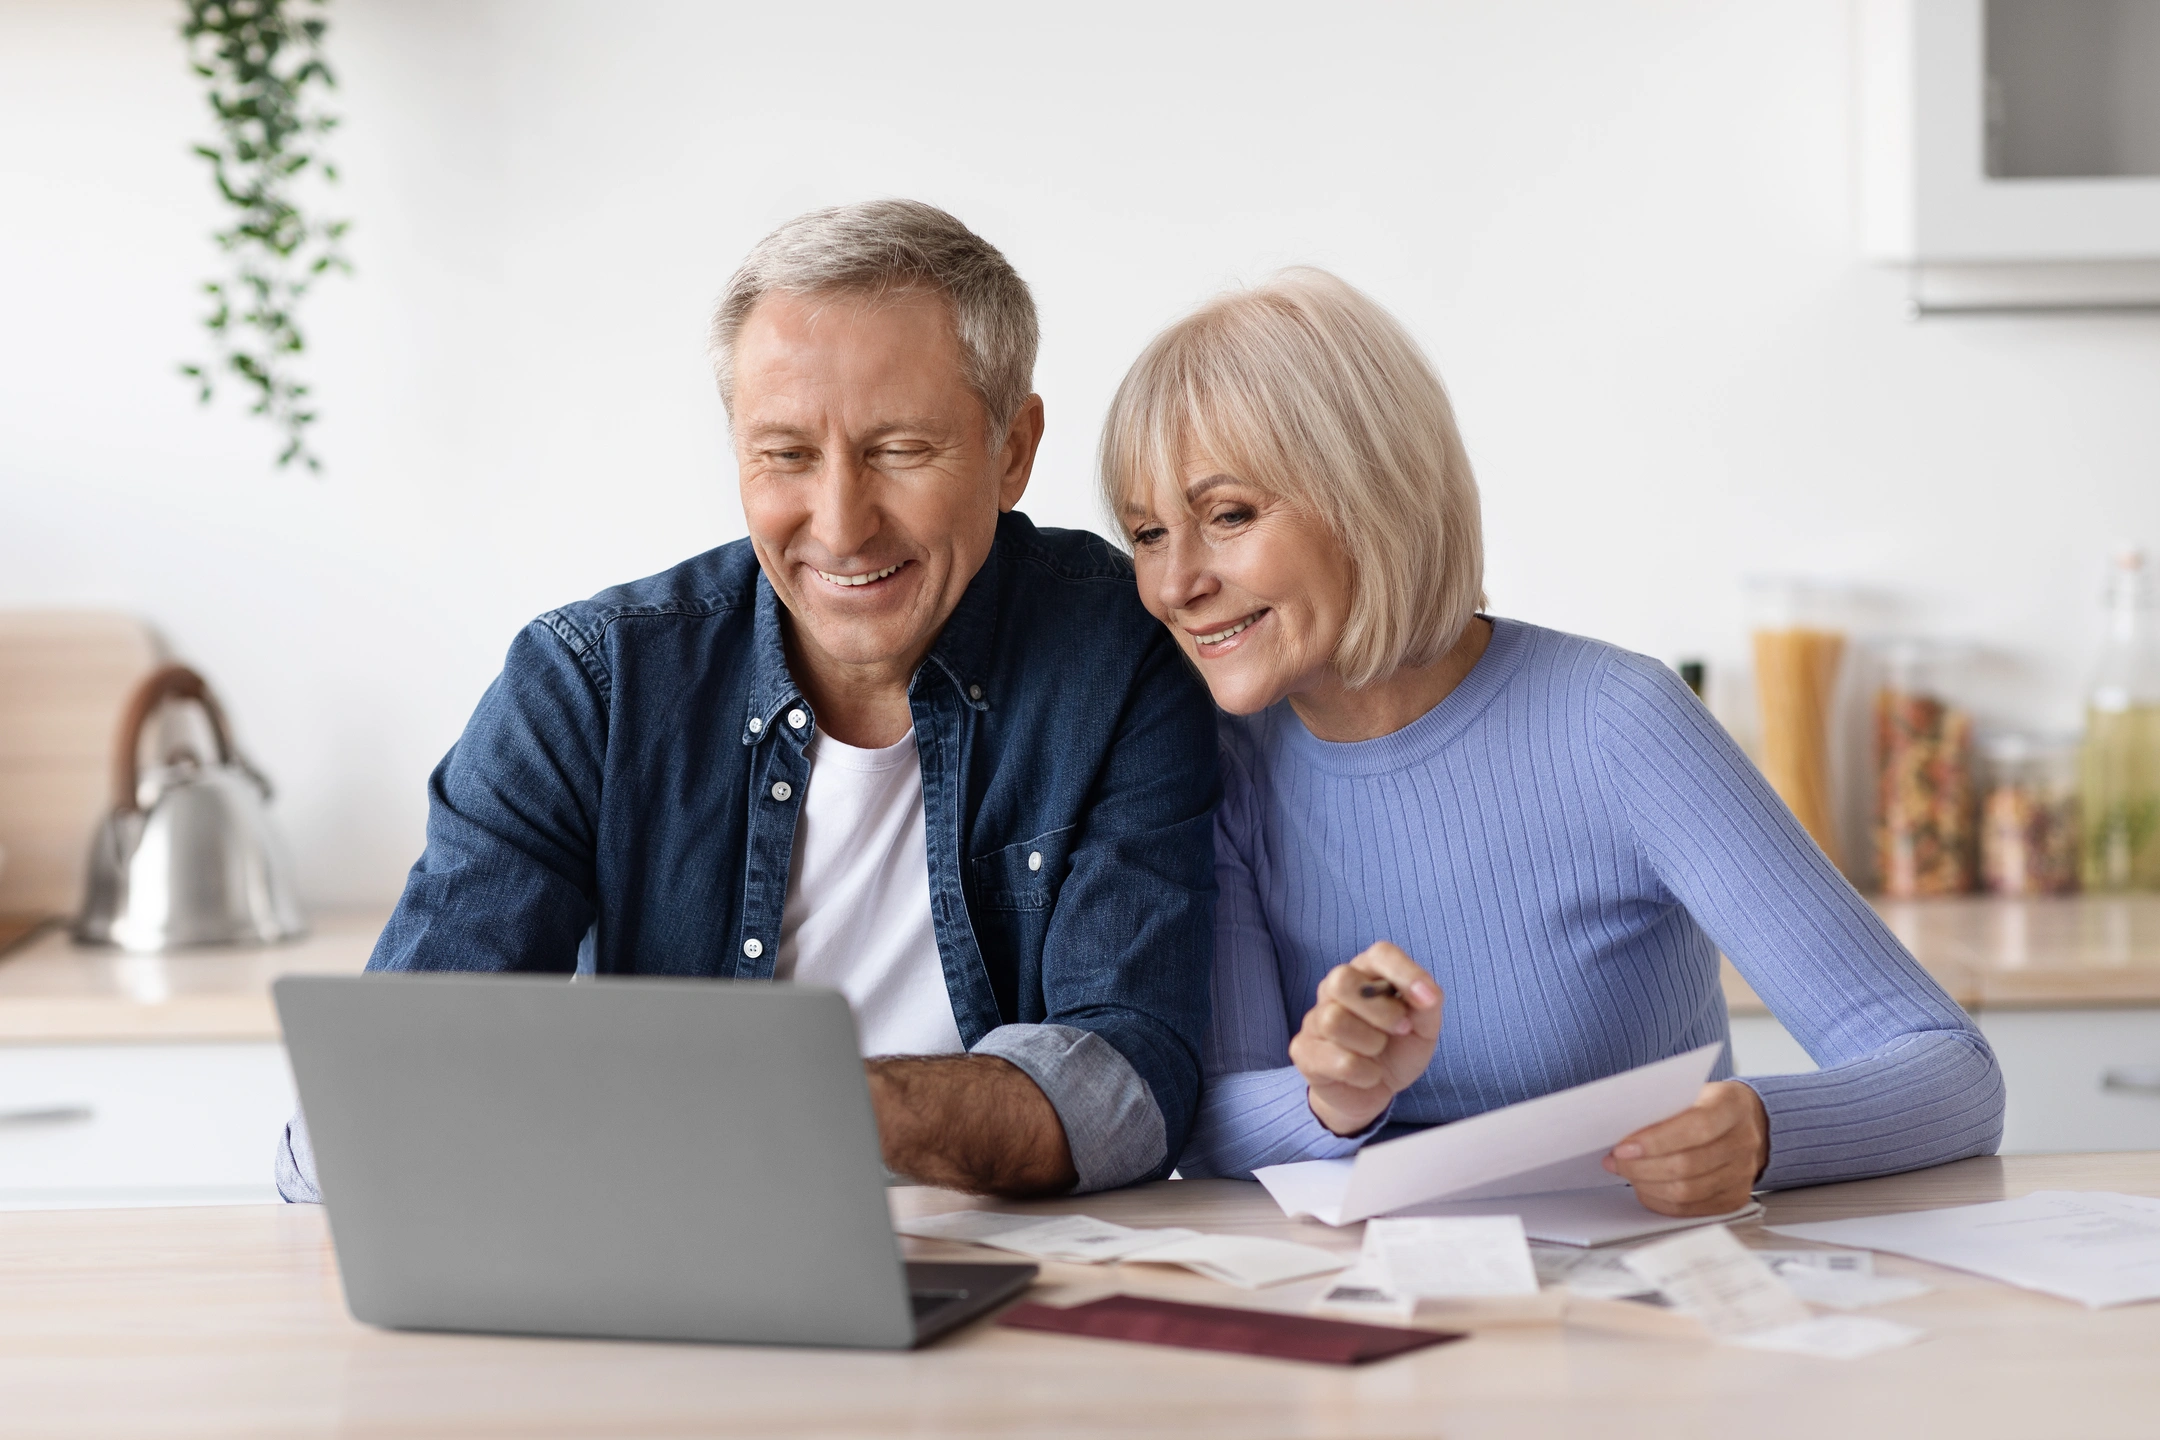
x,y
1018,456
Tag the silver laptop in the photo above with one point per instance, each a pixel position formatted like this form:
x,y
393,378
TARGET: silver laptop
x,y
634,1158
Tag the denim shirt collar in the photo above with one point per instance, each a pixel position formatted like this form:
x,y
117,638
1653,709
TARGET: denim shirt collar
x,y
962,652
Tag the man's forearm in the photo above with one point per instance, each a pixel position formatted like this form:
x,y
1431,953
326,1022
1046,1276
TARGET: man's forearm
x,y
969,1122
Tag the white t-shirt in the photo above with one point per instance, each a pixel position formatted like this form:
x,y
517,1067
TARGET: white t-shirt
x,y
857,916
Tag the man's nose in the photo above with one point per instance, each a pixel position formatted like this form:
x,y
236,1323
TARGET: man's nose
x,y
844,516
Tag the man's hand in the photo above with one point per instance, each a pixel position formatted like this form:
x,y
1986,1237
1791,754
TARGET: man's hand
x,y
969,1122
1356,1050
1703,1161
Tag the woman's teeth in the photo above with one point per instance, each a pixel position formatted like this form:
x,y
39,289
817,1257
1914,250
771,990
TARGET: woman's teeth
x,y
864,579
1221,635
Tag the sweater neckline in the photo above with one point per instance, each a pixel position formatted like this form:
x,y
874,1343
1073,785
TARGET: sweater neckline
x,y
1429,733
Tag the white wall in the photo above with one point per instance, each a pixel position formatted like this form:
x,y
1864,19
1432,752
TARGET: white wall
x,y
1624,230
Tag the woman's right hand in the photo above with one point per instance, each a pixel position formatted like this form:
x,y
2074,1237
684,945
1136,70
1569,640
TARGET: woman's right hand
x,y
1357,1051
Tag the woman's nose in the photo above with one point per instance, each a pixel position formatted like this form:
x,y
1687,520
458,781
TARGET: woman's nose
x,y
1185,576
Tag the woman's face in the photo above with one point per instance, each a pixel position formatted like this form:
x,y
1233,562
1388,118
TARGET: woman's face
x,y
1254,587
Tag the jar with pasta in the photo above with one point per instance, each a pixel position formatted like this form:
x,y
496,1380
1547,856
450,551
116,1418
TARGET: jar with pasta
x,y
1926,840
2028,815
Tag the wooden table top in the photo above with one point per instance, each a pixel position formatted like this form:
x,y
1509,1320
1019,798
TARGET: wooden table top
x,y
230,1323
55,991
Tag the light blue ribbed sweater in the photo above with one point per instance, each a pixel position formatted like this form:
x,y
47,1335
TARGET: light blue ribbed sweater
x,y
1566,842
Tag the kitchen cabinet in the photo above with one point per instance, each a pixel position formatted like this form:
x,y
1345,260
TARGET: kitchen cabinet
x,y
102,1125
2010,151
151,1079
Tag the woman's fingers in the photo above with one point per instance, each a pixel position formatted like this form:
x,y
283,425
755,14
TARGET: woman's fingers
x,y
1321,1060
1386,962
1704,1160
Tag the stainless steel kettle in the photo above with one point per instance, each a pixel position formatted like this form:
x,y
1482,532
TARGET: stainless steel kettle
x,y
187,856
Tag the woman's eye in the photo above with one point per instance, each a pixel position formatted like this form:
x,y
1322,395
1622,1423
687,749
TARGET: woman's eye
x,y
1148,535
1235,515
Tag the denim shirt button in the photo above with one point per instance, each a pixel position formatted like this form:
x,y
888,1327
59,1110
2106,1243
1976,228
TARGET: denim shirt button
x,y
974,692
796,719
753,947
782,791
1034,859
756,724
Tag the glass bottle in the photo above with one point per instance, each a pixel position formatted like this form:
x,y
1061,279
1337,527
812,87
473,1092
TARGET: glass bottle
x,y
2119,764
1799,649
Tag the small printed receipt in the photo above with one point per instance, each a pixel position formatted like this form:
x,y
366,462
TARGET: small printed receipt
x,y
1437,1258
1247,1261
1713,1277
1836,1337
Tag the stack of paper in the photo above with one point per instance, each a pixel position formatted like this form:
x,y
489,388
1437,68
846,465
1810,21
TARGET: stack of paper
x,y
1247,1261
1541,1160
2091,1246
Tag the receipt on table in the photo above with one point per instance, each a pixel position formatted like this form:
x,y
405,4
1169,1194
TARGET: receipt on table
x,y
1836,1337
1247,1261
1250,1262
1713,1277
1446,1258
1075,1239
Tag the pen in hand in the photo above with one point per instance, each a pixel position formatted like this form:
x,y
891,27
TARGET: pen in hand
x,y
1373,988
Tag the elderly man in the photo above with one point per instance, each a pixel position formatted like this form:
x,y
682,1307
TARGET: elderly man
x,y
898,742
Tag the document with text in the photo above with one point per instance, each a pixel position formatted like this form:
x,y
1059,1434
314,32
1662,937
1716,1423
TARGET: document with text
x,y
1554,1143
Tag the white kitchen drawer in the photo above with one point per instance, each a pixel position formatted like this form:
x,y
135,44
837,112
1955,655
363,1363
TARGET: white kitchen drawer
x,y
141,1124
2058,1066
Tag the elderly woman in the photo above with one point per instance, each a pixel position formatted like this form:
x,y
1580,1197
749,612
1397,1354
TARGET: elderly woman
x,y
1549,832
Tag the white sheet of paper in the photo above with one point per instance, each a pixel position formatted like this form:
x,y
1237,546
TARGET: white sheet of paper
x,y
1844,1290
1713,1277
1846,1262
1604,1216
1435,1259
1363,1290
2092,1246
1250,1262
1836,1337
1077,1239
1594,1274
1551,1143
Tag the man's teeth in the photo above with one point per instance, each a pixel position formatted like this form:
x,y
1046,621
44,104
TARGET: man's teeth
x,y
864,579
1221,635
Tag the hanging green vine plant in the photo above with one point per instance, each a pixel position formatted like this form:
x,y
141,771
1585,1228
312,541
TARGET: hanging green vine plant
x,y
263,63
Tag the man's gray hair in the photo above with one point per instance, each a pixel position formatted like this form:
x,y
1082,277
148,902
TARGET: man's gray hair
x,y
889,247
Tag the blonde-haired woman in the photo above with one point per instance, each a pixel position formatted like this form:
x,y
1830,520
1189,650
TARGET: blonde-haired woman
x,y
1549,832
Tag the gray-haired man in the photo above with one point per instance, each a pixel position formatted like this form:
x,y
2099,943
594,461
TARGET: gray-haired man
x,y
899,742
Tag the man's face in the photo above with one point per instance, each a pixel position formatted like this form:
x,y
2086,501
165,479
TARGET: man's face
x,y
869,480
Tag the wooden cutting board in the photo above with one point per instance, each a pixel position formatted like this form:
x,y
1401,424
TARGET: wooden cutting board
x,y
65,676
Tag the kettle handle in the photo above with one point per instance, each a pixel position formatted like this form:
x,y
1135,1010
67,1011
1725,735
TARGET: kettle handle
x,y
171,682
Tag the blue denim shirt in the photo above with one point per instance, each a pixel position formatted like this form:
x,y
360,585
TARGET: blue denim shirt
x,y
612,808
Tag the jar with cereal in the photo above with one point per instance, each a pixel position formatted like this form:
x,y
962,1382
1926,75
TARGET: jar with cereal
x,y
2029,815
1925,830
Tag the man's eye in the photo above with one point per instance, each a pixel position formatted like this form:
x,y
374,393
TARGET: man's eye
x,y
788,457
902,454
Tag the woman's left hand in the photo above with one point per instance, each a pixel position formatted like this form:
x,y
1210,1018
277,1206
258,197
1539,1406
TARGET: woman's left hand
x,y
1703,1161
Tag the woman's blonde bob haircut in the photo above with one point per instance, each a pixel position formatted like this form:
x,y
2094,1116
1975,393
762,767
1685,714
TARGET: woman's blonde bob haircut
x,y
1306,388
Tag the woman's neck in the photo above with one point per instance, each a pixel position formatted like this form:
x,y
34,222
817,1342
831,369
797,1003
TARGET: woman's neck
x,y
1335,712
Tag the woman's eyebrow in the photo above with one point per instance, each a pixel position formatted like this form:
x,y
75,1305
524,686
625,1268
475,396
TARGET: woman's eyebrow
x,y
1200,487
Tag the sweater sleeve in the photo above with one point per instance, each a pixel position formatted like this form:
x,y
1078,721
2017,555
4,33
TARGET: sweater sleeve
x,y
1907,1080
1253,1110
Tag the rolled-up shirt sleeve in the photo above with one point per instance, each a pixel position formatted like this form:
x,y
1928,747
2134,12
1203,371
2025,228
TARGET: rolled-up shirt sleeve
x,y
1113,1126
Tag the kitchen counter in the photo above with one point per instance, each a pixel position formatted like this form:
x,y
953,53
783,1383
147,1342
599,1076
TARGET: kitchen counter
x,y
2071,951
53,991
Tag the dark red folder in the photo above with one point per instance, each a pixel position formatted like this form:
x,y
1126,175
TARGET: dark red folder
x,y
1214,1327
